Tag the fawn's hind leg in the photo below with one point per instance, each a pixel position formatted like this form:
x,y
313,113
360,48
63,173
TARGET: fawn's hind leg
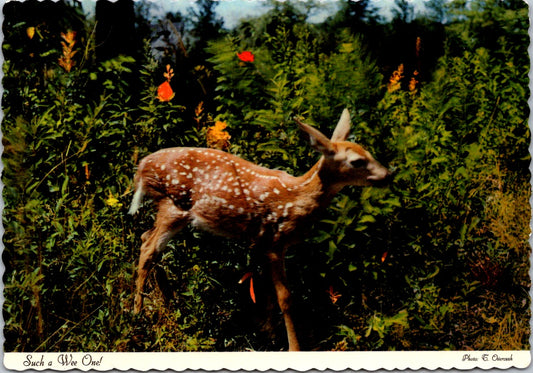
x,y
169,221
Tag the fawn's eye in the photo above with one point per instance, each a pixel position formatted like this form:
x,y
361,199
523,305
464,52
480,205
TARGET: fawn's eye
x,y
359,163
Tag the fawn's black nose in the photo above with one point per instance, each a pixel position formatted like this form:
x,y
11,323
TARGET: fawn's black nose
x,y
384,181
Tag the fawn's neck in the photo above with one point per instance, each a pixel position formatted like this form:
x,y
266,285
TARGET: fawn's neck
x,y
318,184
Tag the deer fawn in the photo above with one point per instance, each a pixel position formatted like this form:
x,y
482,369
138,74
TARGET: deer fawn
x,y
226,195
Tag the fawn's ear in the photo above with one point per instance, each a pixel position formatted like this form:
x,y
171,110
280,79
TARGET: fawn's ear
x,y
317,139
342,130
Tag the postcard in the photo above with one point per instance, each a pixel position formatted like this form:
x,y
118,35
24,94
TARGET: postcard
x,y
266,185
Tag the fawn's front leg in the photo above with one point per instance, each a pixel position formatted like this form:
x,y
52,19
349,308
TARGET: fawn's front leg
x,y
279,278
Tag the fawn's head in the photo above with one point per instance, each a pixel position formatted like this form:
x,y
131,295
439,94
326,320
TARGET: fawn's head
x,y
345,163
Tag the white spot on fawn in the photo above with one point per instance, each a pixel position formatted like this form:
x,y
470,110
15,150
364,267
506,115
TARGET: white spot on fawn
x,y
287,207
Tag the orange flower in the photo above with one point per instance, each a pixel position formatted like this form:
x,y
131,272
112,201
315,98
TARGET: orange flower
x,y
413,82
66,61
87,172
165,92
217,137
30,31
333,295
246,56
394,81
169,73
248,275
198,113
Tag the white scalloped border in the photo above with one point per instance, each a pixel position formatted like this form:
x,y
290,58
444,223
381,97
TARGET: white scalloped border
x,y
299,361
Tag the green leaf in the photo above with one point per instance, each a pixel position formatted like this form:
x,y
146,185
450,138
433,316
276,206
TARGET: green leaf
x,y
367,219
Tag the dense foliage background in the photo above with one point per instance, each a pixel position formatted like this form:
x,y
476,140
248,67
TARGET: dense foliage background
x,y
438,260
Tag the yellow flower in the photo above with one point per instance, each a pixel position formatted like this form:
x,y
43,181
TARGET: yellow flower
x,y
112,201
217,137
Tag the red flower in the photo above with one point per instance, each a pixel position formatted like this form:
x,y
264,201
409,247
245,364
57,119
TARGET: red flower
x,y
165,92
246,56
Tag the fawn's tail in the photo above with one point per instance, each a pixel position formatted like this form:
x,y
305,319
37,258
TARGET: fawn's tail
x,y
137,197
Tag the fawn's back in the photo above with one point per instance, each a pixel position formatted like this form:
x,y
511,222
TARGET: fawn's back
x,y
222,193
